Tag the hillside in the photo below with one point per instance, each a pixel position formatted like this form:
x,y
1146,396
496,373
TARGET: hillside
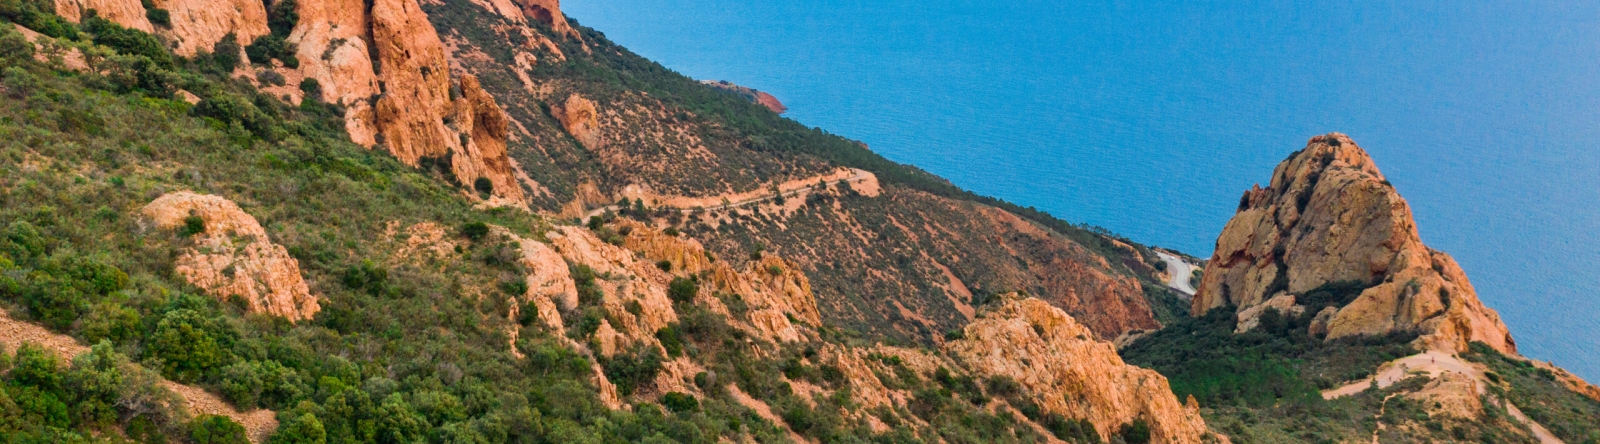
x,y
457,221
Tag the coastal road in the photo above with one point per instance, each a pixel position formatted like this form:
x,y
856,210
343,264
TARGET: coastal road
x,y
735,201
1179,272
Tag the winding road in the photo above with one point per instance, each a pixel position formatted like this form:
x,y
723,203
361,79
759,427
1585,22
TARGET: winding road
x,y
857,176
1179,271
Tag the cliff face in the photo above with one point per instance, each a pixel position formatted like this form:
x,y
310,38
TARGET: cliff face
x,y
232,257
1067,371
384,62
198,24
1330,217
128,13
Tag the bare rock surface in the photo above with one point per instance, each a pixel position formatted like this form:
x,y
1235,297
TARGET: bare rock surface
x,y
232,256
581,118
197,25
1069,371
1329,217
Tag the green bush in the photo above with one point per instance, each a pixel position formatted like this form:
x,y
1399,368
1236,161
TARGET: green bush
x,y
680,402
632,369
671,338
128,41
271,46
214,429
191,345
225,54
475,230
682,290
1136,432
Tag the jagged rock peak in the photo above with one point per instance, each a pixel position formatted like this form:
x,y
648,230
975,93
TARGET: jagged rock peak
x,y
1330,219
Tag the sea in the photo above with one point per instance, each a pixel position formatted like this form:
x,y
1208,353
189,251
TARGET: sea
x,y
1151,118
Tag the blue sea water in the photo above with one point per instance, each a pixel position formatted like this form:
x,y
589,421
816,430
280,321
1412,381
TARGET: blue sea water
x,y
1151,118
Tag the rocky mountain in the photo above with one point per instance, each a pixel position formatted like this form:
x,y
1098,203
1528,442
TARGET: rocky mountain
x,y
1329,219
479,221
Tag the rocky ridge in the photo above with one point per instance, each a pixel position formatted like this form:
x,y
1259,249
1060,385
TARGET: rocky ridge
x,y
1330,217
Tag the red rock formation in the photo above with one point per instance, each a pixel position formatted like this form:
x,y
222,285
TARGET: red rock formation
x,y
232,257
483,155
549,12
199,24
750,94
1067,371
1329,216
581,118
128,13
332,46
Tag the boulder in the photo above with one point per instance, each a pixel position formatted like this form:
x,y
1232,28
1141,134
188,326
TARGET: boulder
x,y
231,256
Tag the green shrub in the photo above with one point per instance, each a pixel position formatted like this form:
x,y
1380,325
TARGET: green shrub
x,y
671,338
680,402
128,41
632,369
302,429
225,53
158,17
682,290
483,185
191,345
215,429
475,230
14,48
1136,432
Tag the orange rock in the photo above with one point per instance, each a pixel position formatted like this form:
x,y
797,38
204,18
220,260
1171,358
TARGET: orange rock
x,y
484,153
549,12
128,13
581,119
414,83
1329,216
198,25
233,257
1067,371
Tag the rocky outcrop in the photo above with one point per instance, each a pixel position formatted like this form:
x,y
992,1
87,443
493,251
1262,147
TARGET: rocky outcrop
x,y
753,95
384,62
774,289
332,46
231,255
1067,371
1250,317
197,25
483,154
128,13
548,12
581,119
194,25
1329,217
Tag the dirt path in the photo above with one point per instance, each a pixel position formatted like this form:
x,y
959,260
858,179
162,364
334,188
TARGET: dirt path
x,y
1179,272
1432,363
1379,417
258,424
864,181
